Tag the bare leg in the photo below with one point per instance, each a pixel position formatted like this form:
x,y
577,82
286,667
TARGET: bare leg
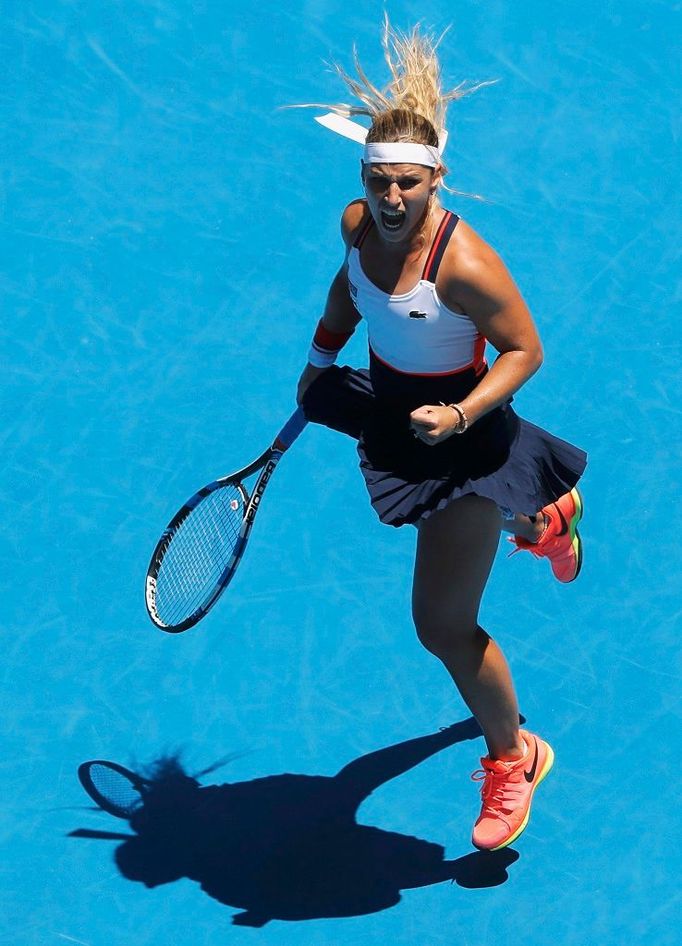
x,y
455,551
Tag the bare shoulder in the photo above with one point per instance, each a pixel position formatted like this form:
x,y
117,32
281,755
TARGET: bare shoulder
x,y
353,217
469,258
473,274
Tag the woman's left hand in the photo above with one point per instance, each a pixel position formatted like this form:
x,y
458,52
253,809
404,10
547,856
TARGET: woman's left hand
x,y
433,423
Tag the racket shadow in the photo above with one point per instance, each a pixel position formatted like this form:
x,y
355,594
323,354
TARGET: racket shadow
x,y
289,847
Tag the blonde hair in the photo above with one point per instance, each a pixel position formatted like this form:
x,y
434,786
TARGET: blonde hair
x,y
413,106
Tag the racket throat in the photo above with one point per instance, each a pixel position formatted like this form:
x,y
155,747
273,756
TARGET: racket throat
x,y
258,491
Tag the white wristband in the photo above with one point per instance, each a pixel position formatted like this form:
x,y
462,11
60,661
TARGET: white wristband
x,y
319,358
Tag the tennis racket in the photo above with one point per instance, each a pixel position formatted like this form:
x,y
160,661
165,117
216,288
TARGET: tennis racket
x,y
199,551
112,787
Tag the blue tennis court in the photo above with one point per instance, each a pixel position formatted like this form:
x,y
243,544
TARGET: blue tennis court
x,y
168,237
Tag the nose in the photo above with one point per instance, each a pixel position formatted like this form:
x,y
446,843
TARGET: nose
x,y
393,196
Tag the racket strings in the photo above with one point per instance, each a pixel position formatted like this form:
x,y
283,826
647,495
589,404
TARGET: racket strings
x,y
198,554
117,793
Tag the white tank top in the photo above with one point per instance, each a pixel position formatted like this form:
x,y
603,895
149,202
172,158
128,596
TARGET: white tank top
x,y
413,332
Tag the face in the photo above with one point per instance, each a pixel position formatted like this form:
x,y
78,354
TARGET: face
x,y
398,197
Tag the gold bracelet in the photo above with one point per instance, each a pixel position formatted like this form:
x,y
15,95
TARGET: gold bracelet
x,y
463,419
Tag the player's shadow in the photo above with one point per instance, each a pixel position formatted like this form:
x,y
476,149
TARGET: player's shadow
x,y
288,846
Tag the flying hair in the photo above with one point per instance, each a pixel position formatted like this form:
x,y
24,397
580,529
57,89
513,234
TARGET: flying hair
x,y
413,106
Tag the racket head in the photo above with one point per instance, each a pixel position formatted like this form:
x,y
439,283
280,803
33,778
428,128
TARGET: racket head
x,y
112,787
196,556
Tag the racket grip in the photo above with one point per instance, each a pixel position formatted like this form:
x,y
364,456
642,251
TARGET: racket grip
x,y
291,429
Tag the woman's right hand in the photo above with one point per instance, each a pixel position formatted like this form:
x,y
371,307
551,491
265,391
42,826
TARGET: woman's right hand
x,y
310,372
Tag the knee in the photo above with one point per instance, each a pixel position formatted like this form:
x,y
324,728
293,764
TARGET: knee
x,y
443,634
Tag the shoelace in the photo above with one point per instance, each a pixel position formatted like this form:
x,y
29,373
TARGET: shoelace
x,y
531,547
517,548
496,792
538,553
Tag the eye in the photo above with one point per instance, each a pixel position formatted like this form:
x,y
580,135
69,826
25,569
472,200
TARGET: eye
x,y
377,183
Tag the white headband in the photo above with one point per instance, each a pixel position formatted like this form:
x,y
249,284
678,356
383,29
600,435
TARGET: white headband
x,y
401,152
398,152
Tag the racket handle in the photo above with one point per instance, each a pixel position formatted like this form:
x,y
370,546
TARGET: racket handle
x,y
291,429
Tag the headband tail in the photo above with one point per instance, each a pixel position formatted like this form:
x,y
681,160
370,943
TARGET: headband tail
x,y
343,126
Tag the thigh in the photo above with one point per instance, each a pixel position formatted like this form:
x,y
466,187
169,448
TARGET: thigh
x,y
455,551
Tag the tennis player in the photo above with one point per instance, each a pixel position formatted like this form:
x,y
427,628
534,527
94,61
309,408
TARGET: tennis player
x,y
440,446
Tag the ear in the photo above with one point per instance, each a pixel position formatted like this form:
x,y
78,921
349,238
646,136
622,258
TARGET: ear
x,y
437,178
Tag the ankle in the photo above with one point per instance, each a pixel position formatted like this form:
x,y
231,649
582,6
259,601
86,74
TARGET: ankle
x,y
539,525
513,752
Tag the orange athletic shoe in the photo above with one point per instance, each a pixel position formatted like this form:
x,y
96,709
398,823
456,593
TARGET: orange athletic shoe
x,y
560,542
507,792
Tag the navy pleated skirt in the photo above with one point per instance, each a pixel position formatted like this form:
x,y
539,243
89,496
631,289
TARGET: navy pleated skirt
x,y
502,457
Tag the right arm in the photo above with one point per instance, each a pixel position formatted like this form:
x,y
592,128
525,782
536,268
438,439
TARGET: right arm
x,y
340,315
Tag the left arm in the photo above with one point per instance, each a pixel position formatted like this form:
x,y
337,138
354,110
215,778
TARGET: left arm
x,y
478,283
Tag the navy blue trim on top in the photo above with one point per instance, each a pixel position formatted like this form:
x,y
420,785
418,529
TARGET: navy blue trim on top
x,y
364,230
440,244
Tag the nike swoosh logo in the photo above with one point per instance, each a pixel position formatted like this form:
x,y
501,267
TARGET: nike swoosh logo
x,y
564,524
530,774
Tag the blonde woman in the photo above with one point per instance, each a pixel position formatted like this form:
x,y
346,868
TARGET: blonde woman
x,y
440,446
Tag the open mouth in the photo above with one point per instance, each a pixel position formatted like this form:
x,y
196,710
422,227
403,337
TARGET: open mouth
x,y
393,220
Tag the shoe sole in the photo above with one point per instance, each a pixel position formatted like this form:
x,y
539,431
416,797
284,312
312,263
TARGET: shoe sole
x,y
549,762
576,541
